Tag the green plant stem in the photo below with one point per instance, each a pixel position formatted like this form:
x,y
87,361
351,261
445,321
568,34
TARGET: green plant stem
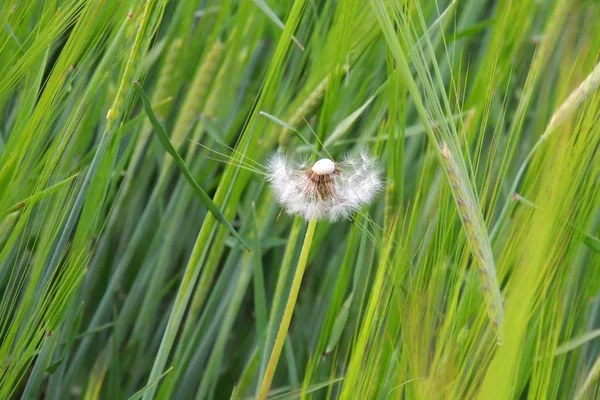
x,y
278,305
287,314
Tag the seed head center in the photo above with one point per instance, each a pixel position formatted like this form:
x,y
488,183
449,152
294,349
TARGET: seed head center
x,y
324,167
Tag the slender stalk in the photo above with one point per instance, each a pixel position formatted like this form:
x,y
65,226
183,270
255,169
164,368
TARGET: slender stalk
x,y
287,314
278,305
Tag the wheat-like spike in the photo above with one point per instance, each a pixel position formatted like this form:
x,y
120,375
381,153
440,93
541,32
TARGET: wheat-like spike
x,y
131,67
164,86
212,102
477,238
305,111
308,108
591,83
164,89
194,100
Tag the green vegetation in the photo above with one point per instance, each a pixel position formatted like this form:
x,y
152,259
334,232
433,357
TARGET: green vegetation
x,y
142,254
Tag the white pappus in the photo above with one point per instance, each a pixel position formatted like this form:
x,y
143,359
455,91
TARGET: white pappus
x,y
327,189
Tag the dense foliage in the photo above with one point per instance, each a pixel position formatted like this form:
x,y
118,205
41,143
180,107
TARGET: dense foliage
x,y
142,252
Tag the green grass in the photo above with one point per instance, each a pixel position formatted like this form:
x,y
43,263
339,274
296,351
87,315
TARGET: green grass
x,y
142,254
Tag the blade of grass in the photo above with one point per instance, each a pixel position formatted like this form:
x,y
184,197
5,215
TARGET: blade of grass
x,y
31,200
140,393
576,342
262,4
166,143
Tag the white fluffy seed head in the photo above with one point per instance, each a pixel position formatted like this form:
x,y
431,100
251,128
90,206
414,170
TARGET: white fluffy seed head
x,y
351,183
324,167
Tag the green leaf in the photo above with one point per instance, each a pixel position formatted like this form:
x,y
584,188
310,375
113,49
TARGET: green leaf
x,y
576,342
347,122
264,7
297,393
278,121
288,126
53,367
40,195
473,30
592,242
140,393
166,143
339,325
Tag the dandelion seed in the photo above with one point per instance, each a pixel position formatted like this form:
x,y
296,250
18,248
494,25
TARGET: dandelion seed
x,y
327,189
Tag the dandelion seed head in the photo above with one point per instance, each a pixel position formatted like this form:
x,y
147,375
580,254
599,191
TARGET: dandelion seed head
x,y
327,189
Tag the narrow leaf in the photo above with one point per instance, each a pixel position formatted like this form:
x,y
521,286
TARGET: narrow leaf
x,y
40,195
278,121
576,342
166,143
138,395
347,122
264,7
297,393
288,126
339,325
592,242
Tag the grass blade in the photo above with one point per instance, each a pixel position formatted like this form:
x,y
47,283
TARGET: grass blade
x,y
140,393
166,143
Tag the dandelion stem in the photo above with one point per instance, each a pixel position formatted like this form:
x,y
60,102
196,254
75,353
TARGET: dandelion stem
x,y
287,314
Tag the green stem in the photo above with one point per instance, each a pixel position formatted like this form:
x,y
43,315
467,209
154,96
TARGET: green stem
x,y
287,314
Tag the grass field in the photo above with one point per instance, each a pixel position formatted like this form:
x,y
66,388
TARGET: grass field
x,y
143,253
